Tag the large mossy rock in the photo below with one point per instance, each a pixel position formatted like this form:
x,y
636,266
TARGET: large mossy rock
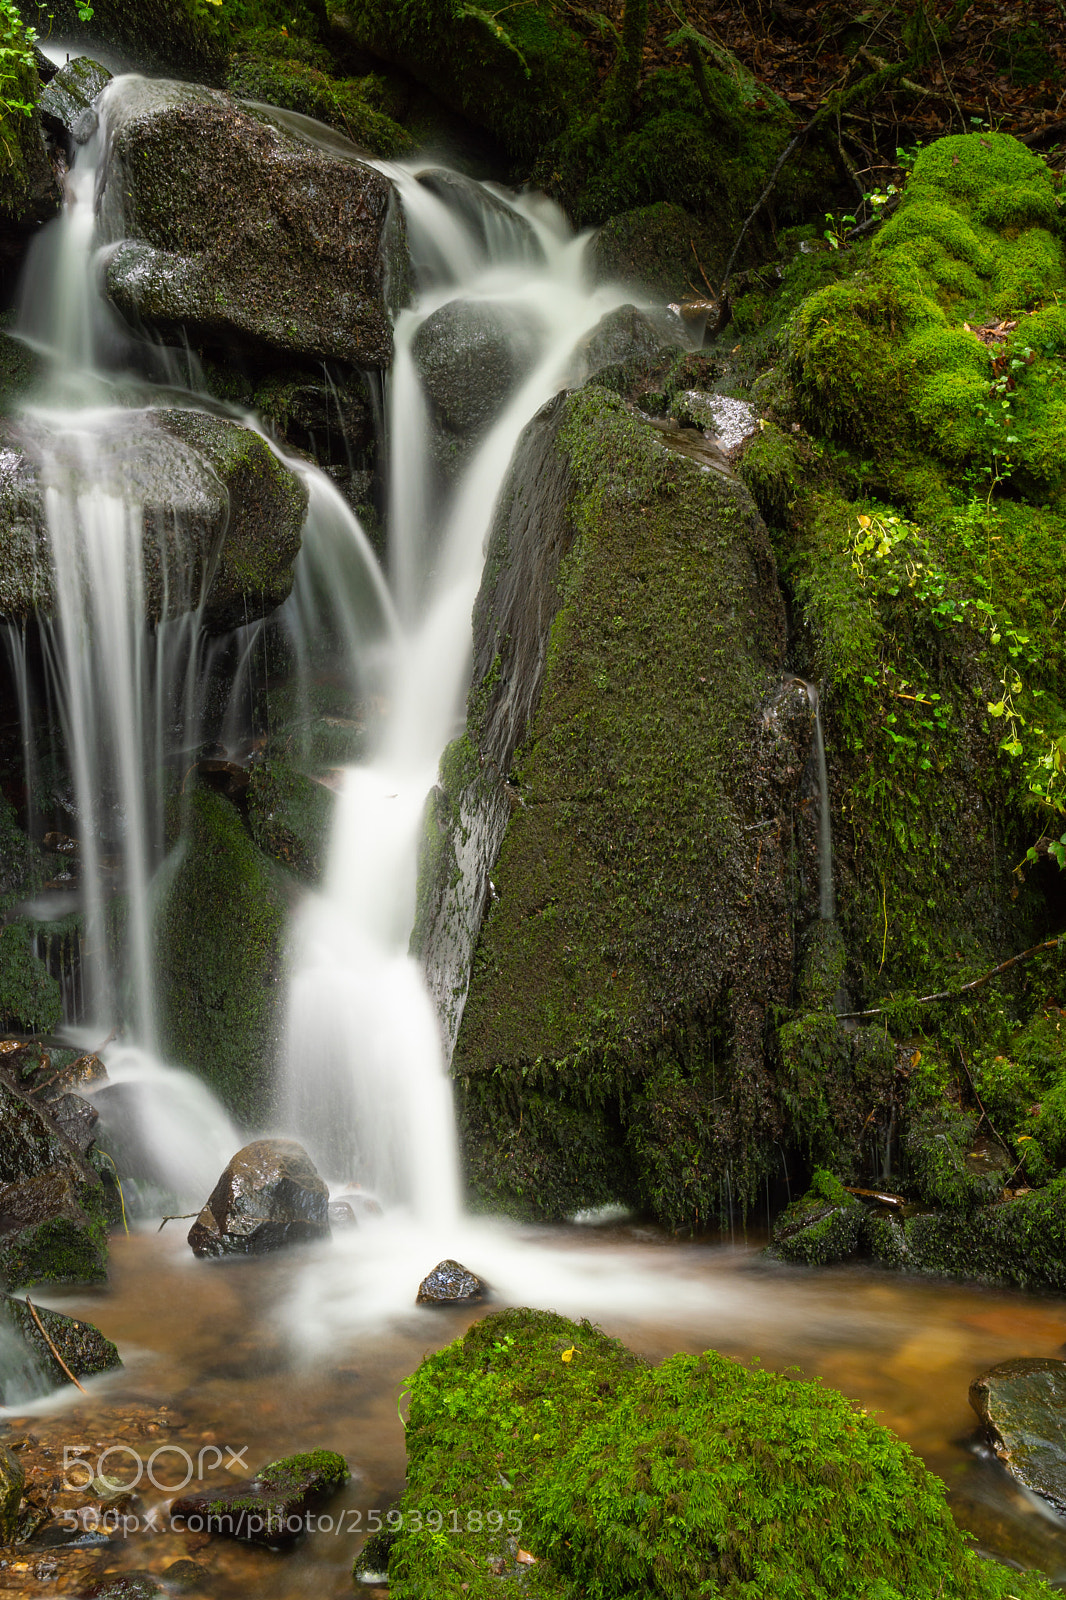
x,y
29,188
219,934
222,515
694,1477
82,1347
240,234
622,736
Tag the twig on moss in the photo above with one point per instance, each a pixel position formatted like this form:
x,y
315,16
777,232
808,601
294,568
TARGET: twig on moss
x,y
953,994
51,1346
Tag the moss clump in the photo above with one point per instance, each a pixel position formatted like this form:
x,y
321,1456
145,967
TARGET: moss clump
x,y
696,1477
218,934
30,998
346,104
942,1168
888,359
63,1249
177,38
1021,1242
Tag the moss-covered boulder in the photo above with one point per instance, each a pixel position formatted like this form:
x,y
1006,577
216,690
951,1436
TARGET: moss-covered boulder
x,y
239,233
628,641
662,249
694,1477
275,69
944,1168
1019,1241
222,515
12,1483
29,188
289,815
218,939
823,1227
52,1211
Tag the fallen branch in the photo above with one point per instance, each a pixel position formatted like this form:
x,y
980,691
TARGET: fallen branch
x,y
51,1346
953,994
186,1216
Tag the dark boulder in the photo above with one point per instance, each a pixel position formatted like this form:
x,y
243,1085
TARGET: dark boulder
x,y
626,334
84,1348
66,104
222,515
272,1509
239,234
661,250
1022,1404
47,1233
270,1195
450,1283
176,37
487,217
470,358
76,1120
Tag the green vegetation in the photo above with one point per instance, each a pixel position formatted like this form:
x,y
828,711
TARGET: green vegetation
x,y
699,1477
219,927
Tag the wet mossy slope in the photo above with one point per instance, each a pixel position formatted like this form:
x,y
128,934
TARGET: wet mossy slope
x,y
546,1459
612,1041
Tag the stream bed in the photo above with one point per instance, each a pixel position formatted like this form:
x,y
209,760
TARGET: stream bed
x,y
254,1359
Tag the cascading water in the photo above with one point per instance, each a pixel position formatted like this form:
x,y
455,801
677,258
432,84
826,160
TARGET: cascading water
x,y
375,1105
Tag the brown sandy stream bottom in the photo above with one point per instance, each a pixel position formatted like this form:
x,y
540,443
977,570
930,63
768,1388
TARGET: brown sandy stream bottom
x,y
214,1364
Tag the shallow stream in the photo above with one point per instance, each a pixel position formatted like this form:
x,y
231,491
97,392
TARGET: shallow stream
x,y
221,1354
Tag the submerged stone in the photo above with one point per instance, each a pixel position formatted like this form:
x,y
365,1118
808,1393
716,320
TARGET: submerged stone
x,y
269,1196
451,1283
274,1508
238,233
1022,1403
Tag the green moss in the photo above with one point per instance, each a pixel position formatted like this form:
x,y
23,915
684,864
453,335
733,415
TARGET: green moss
x,y
823,1227
322,1470
289,816
941,1169
699,1476
343,103
30,998
611,915
218,932
20,370
57,1250
835,1084
1020,1242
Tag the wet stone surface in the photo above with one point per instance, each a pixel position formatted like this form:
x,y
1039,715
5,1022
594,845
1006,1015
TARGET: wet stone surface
x,y
450,1282
1022,1404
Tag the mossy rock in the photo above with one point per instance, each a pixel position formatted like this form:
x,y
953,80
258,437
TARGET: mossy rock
x,y
20,370
289,816
822,1228
943,1168
84,1348
1019,1242
693,1477
661,249
599,976
344,104
218,938
29,192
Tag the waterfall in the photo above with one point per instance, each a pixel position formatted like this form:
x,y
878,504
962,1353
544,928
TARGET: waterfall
x,y
366,1085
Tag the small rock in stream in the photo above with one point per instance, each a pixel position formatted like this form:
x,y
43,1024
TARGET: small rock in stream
x,y
274,1509
450,1283
1022,1403
270,1195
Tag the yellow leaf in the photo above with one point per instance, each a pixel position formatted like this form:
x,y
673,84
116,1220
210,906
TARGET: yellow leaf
x,y
526,1559
567,1355
864,522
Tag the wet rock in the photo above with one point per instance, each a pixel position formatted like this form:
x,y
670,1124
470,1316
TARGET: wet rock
x,y
76,1119
82,1346
625,334
20,369
150,36
659,249
221,514
885,1239
470,358
1022,1404
824,1227
66,105
238,233
948,1168
450,1283
273,1508
47,1234
290,816
12,1483
1021,1241
488,217
126,1586
372,1563
181,1577
270,1195
341,1215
